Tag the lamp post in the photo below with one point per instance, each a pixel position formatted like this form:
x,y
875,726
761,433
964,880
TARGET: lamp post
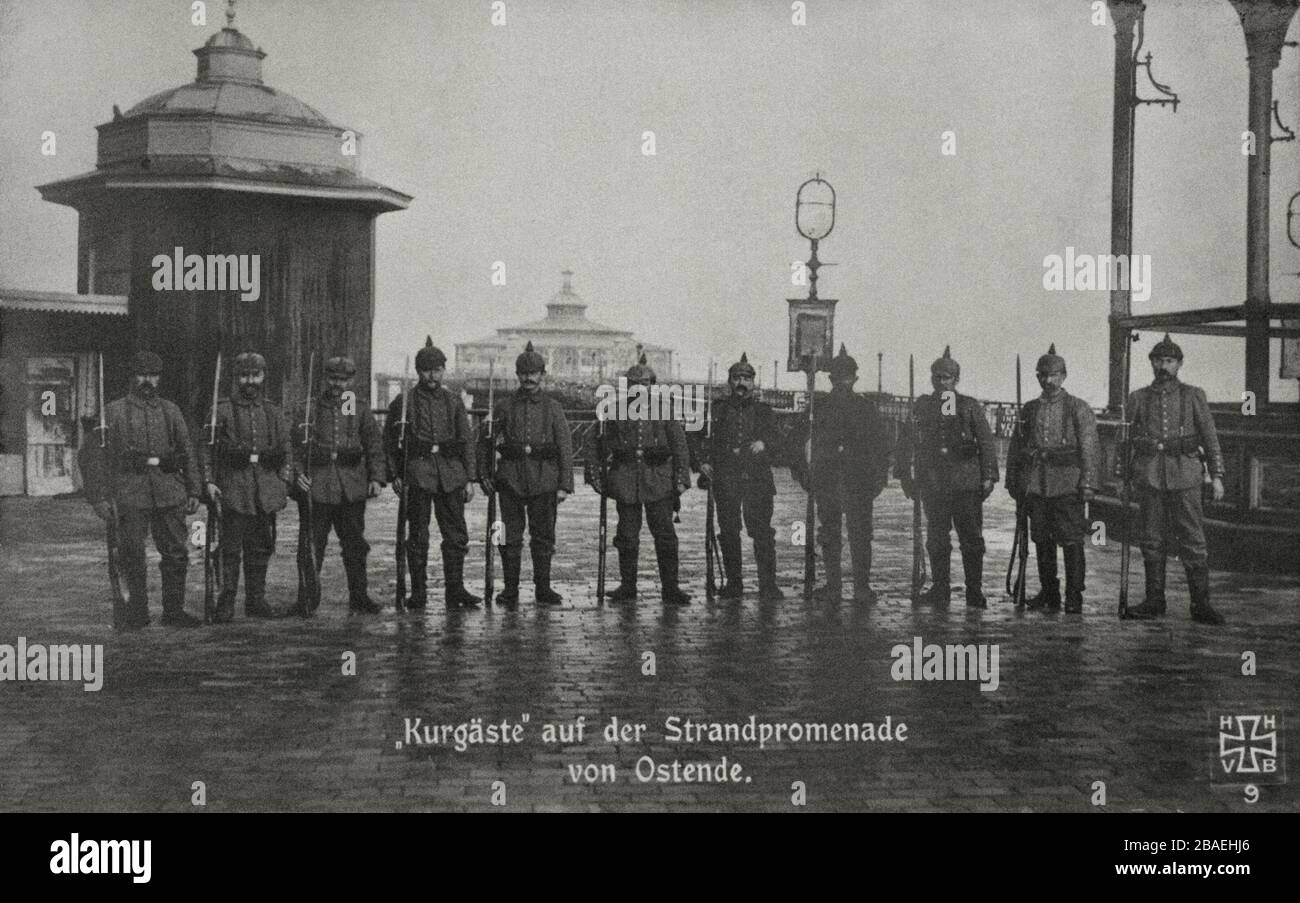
x,y
880,376
812,334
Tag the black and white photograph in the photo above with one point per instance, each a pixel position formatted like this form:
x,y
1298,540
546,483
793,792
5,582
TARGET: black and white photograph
x,y
564,406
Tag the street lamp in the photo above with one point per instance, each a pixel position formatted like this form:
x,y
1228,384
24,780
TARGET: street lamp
x,y
812,333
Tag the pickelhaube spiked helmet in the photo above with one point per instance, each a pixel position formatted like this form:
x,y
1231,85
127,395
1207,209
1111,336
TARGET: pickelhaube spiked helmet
x,y
248,362
946,366
146,363
742,367
1051,362
340,365
530,361
1166,347
843,364
640,372
430,357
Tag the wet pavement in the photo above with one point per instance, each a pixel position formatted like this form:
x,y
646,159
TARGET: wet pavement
x,y
264,715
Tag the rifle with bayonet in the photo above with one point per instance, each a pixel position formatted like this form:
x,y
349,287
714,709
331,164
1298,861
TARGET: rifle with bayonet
x,y
212,576
918,537
490,462
399,600
602,467
712,553
1020,544
308,567
1124,457
120,600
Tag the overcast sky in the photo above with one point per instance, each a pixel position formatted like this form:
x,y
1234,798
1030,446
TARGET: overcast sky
x,y
523,143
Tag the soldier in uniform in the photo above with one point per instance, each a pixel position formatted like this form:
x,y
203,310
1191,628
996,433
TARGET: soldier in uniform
x,y
1171,430
736,461
957,467
535,474
1052,466
850,468
649,468
149,470
346,468
248,473
440,471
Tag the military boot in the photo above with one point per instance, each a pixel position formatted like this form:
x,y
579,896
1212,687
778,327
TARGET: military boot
x,y
1049,592
671,593
972,563
359,601
173,598
940,591
1074,570
453,569
626,590
255,587
1198,587
733,586
1153,606
225,609
833,589
542,581
511,562
765,558
417,564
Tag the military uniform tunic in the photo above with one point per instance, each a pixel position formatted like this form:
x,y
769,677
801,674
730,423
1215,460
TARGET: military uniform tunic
x,y
742,481
1172,429
1054,456
149,470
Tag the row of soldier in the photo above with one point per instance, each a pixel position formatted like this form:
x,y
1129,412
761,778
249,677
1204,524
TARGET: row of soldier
x,y
150,475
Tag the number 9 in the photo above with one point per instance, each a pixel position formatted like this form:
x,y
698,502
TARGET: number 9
x,y
1252,793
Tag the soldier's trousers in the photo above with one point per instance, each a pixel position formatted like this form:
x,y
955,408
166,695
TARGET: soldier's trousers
x,y
1172,518
960,509
627,537
538,513
448,509
753,504
855,510
252,537
348,520
1057,520
169,536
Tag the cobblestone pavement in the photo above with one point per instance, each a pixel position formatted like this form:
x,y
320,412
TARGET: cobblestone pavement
x,y
263,715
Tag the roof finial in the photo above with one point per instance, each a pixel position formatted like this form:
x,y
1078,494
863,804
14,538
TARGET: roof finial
x,y
567,287
230,13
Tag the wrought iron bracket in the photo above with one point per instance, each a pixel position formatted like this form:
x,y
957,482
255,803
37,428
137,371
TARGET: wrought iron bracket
x,y
1170,98
1288,134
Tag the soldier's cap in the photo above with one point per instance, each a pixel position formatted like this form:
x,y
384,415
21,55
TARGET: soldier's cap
x,y
1051,362
946,366
430,357
640,372
530,361
146,363
248,362
843,364
340,365
1166,347
741,367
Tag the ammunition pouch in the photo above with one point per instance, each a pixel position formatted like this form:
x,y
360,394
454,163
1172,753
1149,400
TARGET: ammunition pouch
x,y
653,455
238,459
518,451
960,450
140,462
1146,447
344,457
424,448
1061,456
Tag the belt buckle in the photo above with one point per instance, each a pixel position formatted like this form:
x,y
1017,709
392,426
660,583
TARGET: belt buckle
x,y
433,449
943,450
528,449
839,449
334,456
1160,446
152,462
640,453
253,458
